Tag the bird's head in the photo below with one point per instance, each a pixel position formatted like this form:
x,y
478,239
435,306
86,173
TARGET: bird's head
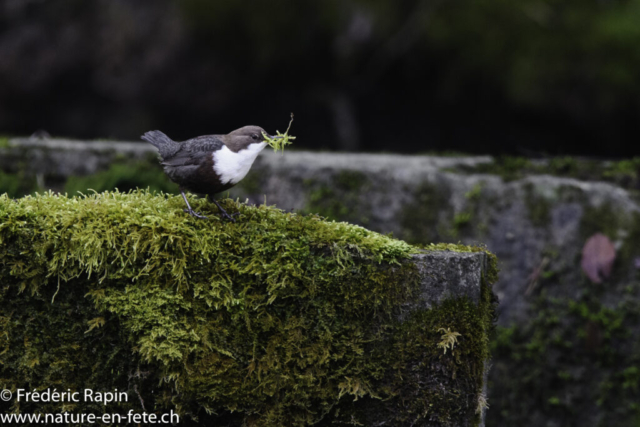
x,y
244,137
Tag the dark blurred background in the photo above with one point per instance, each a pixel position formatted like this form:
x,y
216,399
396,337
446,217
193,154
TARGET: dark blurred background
x,y
528,77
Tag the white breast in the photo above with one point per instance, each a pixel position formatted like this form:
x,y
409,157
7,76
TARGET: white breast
x,y
232,167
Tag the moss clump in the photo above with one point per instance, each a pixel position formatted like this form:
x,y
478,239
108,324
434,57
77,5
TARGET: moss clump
x,y
461,220
277,319
281,140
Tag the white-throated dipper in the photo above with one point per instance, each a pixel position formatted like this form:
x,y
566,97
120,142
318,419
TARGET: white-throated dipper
x,y
208,164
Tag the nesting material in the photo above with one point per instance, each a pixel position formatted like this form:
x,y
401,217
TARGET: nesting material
x,y
280,140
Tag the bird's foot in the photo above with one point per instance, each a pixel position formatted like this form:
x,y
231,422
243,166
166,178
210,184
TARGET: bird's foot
x,y
225,215
195,214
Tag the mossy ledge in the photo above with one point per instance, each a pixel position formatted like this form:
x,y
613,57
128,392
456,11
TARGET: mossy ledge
x,y
277,319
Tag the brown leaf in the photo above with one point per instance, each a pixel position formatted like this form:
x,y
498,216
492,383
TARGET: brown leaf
x,y
598,255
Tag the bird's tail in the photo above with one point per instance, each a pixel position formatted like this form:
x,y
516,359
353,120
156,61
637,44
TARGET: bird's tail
x,y
166,146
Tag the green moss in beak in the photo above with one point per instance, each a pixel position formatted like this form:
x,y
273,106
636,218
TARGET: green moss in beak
x,y
280,140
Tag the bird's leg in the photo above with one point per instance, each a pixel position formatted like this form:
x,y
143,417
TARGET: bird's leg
x,y
189,210
223,212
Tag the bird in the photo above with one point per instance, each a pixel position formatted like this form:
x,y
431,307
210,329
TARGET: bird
x,y
209,164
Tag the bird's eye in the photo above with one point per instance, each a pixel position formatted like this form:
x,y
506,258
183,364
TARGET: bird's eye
x,y
254,136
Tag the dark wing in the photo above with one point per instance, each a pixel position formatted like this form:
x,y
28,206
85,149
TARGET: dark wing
x,y
203,143
193,151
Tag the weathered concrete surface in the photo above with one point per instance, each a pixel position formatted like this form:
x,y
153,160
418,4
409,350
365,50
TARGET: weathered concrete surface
x,y
61,158
447,275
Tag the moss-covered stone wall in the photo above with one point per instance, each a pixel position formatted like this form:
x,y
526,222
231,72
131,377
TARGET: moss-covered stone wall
x,y
277,319
535,215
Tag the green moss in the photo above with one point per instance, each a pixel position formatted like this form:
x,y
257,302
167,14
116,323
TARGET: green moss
x,y
351,180
17,184
461,219
4,142
509,168
575,355
454,371
625,173
124,177
430,217
578,352
467,220
341,199
420,219
475,193
567,166
277,319
602,219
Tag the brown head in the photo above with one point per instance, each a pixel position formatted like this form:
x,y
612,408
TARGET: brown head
x,y
241,138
